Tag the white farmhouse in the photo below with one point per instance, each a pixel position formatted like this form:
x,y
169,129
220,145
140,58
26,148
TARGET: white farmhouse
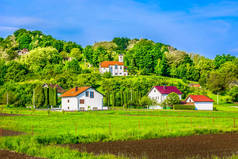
x,y
82,98
116,68
159,93
200,102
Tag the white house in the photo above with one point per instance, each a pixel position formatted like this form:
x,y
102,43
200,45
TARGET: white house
x,y
116,68
82,98
200,102
159,93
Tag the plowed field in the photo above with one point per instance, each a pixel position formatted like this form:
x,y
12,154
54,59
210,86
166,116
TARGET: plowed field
x,y
203,146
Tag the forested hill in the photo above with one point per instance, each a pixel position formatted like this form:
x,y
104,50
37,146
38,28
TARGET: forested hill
x,y
56,61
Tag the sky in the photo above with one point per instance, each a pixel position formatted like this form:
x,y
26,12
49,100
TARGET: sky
x,y
196,26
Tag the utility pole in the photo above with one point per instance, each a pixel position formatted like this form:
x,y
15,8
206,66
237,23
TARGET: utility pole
x,y
217,99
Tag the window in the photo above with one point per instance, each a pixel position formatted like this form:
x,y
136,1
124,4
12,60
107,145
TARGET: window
x,y
154,90
81,101
68,108
86,93
115,66
120,67
95,108
91,94
82,108
68,100
115,73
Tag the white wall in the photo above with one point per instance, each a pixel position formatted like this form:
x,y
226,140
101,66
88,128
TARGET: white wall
x,y
74,102
203,105
115,72
69,103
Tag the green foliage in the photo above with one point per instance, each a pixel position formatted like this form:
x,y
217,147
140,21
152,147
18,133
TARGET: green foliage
x,y
172,99
221,59
184,107
162,67
122,43
234,94
40,57
76,53
73,66
146,101
15,71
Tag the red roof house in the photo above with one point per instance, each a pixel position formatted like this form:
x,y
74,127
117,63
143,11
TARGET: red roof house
x,y
200,102
168,89
199,98
160,93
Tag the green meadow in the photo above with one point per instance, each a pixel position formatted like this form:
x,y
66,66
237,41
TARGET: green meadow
x,y
45,129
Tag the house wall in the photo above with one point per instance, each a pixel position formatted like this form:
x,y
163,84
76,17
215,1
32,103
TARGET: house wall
x,y
74,102
203,105
155,94
115,72
69,103
189,100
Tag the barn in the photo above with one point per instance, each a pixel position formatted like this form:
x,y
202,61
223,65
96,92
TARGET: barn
x,y
81,99
200,102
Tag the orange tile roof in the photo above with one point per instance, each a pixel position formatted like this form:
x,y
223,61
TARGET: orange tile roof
x,y
108,63
73,92
200,98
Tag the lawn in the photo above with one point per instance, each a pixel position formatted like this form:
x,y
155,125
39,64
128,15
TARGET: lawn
x,y
45,128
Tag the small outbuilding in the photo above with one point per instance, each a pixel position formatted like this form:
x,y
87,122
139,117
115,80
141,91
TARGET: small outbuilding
x,y
200,102
81,99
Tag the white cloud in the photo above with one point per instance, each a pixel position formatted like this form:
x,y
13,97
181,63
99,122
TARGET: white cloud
x,y
222,9
14,20
8,28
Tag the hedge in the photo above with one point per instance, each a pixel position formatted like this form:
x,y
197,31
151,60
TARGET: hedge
x,y
184,107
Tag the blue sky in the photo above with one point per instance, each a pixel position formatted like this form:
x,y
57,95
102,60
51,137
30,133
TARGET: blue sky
x,y
198,26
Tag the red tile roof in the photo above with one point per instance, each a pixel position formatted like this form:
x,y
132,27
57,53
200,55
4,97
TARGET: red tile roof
x,y
108,63
200,98
168,89
74,91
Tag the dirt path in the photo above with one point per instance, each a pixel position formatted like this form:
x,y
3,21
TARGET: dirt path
x,y
203,146
5,154
4,132
5,114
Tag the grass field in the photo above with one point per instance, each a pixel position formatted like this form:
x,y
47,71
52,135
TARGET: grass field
x,y
45,129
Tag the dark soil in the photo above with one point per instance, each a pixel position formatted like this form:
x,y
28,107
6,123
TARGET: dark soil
x,y
4,132
5,114
203,146
5,154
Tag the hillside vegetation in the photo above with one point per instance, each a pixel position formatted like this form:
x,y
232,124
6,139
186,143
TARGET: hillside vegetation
x,y
69,64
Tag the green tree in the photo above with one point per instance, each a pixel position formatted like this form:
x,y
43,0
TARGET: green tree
x,y
73,66
146,101
221,59
234,93
15,71
172,99
76,53
162,67
38,58
122,42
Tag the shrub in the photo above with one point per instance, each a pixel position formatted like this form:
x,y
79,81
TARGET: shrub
x,y
184,107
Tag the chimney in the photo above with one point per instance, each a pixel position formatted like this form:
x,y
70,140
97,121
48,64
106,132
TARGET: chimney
x,y
76,89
